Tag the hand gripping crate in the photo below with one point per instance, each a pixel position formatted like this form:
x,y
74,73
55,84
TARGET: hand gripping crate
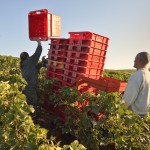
x,y
43,25
89,35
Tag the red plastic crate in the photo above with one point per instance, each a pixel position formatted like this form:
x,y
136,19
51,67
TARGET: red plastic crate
x,y
112,85
71,74
55,69
59,46
59,41
57,58
43,25
57,52
84,70
63,83
89,71
77,47
74,74
38,24
56,64
68,79
85,56
51,74
84,89
89,35
106,84
95,77
89,50
75,42
85,63
82,47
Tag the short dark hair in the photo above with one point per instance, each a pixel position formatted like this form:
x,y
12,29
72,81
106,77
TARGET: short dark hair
x,y
23,57
144,57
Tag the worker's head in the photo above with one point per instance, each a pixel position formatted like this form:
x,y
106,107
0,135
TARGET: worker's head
x,y
23,57
141,60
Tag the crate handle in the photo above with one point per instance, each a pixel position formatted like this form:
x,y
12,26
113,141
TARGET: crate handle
x,y
42,11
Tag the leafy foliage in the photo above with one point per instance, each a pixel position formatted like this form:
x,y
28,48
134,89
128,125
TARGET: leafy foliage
x,y
17,129
99,121
116,124
119,74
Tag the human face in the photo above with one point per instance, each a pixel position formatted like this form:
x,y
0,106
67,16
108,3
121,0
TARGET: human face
x,y
137,62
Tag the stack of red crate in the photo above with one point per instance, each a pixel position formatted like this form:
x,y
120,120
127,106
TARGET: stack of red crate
x,y
56,58
83,53
85,56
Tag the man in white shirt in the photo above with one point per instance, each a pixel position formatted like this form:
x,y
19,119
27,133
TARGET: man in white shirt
x,y
137,93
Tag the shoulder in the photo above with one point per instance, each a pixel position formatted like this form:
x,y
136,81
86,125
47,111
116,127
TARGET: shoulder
x,y
27,61
137,76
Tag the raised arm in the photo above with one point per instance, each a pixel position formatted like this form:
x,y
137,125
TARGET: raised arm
x,y
35,57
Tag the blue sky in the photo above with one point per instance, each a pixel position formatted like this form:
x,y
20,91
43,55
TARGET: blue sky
x,y
125,22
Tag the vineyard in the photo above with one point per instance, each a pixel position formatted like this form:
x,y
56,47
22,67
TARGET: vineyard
x,y
105,123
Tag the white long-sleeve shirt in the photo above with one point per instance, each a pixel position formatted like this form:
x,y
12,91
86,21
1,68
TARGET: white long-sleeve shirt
x,y
137,93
